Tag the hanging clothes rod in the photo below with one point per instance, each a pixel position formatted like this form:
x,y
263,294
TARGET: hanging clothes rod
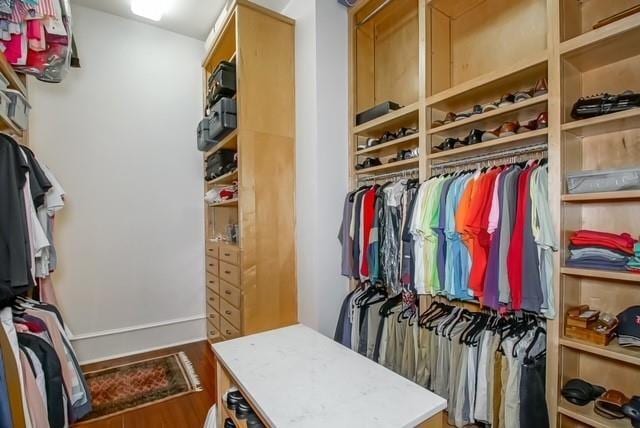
x,y
373,13
497,155
403,173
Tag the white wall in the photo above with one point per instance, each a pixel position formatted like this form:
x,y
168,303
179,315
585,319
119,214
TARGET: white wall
x,y
322,179
119,133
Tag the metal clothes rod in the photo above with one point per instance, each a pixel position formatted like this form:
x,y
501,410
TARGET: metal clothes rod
x,y
373,13
496,155
403,173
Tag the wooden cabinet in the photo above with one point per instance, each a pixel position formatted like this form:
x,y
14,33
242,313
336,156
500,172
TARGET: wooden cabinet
x,y
251,283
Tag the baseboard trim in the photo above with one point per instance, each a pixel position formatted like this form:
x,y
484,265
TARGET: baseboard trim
x,y
148,326
144,351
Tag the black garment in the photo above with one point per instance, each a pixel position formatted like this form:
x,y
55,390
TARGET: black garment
x,y
53,376
408,250
38,181
15,252
376,348
342,319
533,404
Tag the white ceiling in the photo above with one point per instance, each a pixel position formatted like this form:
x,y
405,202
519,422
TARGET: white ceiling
x,y
193,18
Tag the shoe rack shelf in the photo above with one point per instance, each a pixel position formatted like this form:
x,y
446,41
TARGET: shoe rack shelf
x,y
587,415
224,180
229,142
390,147
440,56
389,167
511,142
521,111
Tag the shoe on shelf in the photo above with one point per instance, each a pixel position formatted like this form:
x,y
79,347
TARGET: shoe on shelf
x,y
372,142
506,100
388,136
542,120
540,88
233,398
508,129
521,96
474,137
450,117
243,410
490,106
405,132
228,423
368,163
254,422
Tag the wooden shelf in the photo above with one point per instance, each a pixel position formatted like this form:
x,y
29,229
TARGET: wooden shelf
x,y
229,142
602,274
604,45
602,196
612,351
15,81
518,140
229,203
224,179
525,110
615,122
587,415
391,121
390,167
391,147
495,84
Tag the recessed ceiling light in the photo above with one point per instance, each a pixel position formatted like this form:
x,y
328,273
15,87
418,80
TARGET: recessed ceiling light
x,y
150,9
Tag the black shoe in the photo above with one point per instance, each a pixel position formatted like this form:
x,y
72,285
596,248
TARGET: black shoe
x,y
228,423
243,410
254,422
233,398
368,163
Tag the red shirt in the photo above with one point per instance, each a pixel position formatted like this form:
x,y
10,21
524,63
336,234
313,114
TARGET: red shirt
x,y
516,249
368,210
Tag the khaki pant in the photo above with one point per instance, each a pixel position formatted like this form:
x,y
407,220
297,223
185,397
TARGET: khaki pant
x,y
408,366
423,367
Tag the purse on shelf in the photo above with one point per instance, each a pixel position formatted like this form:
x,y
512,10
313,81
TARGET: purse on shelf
x,y
604,104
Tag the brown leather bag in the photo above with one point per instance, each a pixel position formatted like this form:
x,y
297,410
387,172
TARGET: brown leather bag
x,y
609,405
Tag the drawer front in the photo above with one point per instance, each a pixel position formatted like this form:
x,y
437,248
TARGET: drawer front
x,y
213,300
227,330
212,249
230,254
230,313
213,283
213,317
230,273
213,265
213,334
230,293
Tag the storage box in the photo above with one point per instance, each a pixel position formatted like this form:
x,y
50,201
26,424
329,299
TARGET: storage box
x,y
375,112
222,82
19,109
223,119
204,142
611,180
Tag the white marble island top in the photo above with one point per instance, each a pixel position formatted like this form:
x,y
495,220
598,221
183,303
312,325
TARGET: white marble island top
x,y
300,378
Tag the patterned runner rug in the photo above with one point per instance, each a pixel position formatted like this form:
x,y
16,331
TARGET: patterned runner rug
x,y
131,386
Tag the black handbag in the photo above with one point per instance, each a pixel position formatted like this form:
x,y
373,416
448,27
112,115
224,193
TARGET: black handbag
x,y
604,104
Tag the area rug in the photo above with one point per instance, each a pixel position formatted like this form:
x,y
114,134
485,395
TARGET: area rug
x,y
131,386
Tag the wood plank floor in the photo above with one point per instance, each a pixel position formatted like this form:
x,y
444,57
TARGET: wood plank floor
x,y
187,411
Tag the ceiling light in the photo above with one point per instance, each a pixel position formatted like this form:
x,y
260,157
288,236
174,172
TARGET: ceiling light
x,y
150,9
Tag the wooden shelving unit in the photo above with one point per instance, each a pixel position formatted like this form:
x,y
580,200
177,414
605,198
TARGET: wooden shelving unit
x,y
390,147
453,54
260,265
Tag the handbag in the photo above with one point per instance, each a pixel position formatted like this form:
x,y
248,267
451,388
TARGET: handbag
x,y
604,104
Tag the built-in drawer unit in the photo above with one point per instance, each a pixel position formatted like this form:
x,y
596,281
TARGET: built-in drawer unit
x,y
230,254
230,273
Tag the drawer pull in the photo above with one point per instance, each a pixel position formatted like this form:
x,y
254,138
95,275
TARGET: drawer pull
x,y
211,299
212,316
212,333
228,333
211,264
228,272
227,255
227,292
227,312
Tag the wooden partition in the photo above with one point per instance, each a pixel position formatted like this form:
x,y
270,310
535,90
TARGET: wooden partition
x,y
470,52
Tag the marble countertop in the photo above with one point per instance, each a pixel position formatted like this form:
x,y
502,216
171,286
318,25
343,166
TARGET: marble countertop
x,y
300,378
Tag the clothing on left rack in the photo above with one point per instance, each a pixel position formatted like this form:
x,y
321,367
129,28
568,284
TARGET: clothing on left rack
x,y
30,197
54,389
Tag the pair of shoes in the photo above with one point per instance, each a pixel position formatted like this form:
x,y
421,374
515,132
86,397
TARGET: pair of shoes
x,y
400,133
506,100
407,154
368,163
512,128
474,137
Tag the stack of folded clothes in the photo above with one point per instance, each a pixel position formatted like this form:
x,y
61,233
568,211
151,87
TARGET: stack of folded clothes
x,y
634,262
600,250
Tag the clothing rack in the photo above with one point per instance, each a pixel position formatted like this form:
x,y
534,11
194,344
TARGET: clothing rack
x,y
412,172
542,147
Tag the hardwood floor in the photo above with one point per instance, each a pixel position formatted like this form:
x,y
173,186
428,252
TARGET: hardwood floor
x,y
187,411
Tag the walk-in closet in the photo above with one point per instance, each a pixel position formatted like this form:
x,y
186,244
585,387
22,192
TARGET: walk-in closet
x,y
319,213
